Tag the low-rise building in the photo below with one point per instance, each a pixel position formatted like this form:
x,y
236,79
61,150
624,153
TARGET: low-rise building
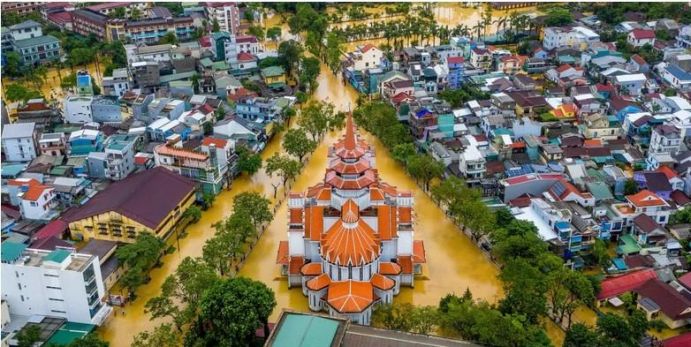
x,y
117,84
641,37
578,37
55,283
149,201
52,144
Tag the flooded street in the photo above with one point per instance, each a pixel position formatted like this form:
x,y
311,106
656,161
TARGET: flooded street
x,y
453,262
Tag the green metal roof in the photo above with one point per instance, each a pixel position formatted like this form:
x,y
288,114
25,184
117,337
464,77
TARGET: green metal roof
x,y
600,190
177,76
12,170
58,255
11,251
206,62
628,245
36,41
272,71
69,332
220,65
60,170
306,331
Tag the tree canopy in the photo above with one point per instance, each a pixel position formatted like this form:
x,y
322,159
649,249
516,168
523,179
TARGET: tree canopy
x,y
296,142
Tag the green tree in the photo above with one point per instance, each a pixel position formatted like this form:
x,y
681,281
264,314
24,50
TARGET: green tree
x,y
601,254
284,167
207,200
309,72
13,64
296,142
220,112
253,206
291,52
219,250
231,311
334,51
273,33
558,17
194,213
316,118
403,151
682,216
580,335
118,12
17,92
170,38
247,161
424,168
181,292
89,340
139,257
566,291
29,335
525,286
257,31
630,187
136,14
162,336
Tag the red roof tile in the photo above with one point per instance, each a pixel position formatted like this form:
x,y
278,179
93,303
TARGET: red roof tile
x,y
350,296
54,228
219,143
683,340
455,60
671,302
282,256
614,286
645,198
641,34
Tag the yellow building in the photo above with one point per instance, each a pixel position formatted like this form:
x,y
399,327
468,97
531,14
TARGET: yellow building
x,y
274,76
149,201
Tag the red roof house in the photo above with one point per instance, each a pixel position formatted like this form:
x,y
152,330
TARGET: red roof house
x,y
615,286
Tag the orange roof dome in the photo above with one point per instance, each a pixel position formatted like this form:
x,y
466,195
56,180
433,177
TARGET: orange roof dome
x,y
350,296
349,147
350,240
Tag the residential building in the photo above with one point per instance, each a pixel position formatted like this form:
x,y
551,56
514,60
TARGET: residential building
x,y
52,144
471,163
28,29
646,202
208,166
641,37
37,50
661,301
665,139
365,57
676,77
36,200
120,150
19,142
55,283
22,7
117,84
148,201
106,110
77,109
456,68
226,13
152,30
274,76
481,58
258,109
84,141
324,224
86,22
578,37
630,84
146,74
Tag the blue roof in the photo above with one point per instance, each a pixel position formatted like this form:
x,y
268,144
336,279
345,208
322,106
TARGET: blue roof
x,y
519,170
678,72
11,251
619,264
83,80
421,112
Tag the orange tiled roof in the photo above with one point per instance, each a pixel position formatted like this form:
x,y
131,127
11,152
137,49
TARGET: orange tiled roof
x,y
295,216
318,283
405,214
375,194
342,167
382,282
34,192
314,222
220,143
645,198
311,269
23,182
350,296
179,152
419,254
350,240
386,222
668,171
387,268
295,265
282,256
592,143
406,263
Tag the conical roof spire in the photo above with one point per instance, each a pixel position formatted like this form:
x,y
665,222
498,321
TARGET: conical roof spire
x,y
350,142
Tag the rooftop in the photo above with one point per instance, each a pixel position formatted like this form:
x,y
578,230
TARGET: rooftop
x,y
35,41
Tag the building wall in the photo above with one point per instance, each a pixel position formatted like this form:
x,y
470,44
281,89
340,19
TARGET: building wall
x,y
39,208
106,113
19,149
78,110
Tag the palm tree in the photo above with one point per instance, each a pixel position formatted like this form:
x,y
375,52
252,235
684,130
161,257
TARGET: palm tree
x,y
478,27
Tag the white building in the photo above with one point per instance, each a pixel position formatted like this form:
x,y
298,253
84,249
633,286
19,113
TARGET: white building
x,y
53,283
226,13
120,151
366,57
26,30
19,142
576,37
471,163
117,84
77,109
665,139
641,37
630,84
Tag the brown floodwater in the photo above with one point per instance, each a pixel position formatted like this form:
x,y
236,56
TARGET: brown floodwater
x,y
453,262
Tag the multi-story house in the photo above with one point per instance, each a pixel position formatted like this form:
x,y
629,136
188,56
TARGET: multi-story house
x,y
209,167
226,14
86,22
575,37
365,57
146,74
471,162
22,7
52,144
630,84
55,283
455,77
510,64
117,84
77,109
481,58
256,108
152,30
641,37
665,139
84,141
646,202
148,201
120,150
37,201
25,30
19,142
38,49
106,110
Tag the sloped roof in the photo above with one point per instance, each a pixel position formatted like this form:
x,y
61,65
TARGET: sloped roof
x,y
146,197
614,286
350,296
671,302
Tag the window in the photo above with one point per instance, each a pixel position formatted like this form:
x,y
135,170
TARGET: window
x,y
50,287
57,311
55,299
